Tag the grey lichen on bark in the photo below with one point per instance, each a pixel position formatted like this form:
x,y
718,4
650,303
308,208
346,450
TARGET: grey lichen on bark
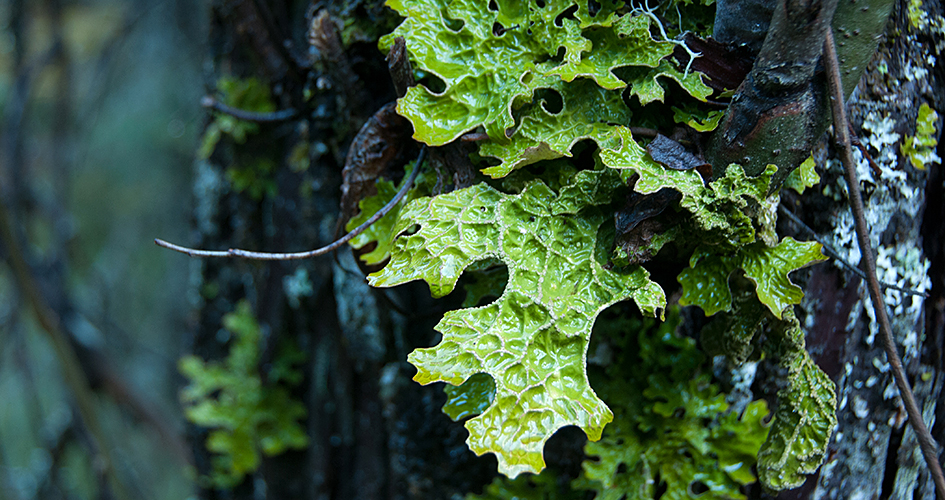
x,y
874,454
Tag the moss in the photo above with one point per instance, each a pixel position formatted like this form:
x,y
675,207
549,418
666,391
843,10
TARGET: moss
x,y
246,417
248,94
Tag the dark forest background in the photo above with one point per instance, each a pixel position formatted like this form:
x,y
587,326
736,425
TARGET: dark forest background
x,y
100,117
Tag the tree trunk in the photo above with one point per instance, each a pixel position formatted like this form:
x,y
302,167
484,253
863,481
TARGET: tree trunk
x,y
874,453
374,433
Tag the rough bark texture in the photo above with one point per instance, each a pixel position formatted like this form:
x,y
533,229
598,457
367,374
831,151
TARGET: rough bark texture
x,y
375,433
874,453
778,112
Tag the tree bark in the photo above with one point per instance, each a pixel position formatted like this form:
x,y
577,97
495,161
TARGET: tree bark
x,y
376,434
874,453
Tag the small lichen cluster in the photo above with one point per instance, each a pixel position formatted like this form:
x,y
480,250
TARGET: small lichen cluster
x,y
250,94
246,417
920,148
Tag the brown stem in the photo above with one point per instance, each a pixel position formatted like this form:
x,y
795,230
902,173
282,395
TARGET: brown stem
x,y
250,116
841,132
246,254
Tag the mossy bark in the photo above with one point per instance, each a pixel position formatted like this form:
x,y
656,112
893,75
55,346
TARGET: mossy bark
x,y
374,434
874,453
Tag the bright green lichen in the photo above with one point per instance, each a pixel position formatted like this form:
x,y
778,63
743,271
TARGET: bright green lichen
x,y
644,83
487,69
705,281
803,177
533,339
722,211
918,18
381,231
673,430
700,120
547,80
588,111
806,414
245,416
492,62
920,149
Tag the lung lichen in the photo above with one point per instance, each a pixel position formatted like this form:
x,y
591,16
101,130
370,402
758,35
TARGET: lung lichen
x,y
551,84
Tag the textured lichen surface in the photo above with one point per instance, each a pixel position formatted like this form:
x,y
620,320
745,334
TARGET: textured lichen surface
x,y
705,281
806,415
489,58
557,84
493,57
673,431
533,339
803,177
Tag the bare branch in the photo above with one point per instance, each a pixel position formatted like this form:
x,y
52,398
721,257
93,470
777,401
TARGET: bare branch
x,y
246,254
250,116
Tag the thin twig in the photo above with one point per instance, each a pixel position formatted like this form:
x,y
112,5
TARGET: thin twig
x,y
250,116
246,254
647,11
835,255
865,152
841,131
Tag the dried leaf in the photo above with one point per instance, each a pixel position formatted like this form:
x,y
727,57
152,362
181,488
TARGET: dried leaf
x,y
672,154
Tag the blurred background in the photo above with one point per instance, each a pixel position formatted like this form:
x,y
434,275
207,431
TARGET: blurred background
x,y
99,118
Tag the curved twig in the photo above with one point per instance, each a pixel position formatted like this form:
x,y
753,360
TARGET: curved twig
x,y
841,132
250,116
246,254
